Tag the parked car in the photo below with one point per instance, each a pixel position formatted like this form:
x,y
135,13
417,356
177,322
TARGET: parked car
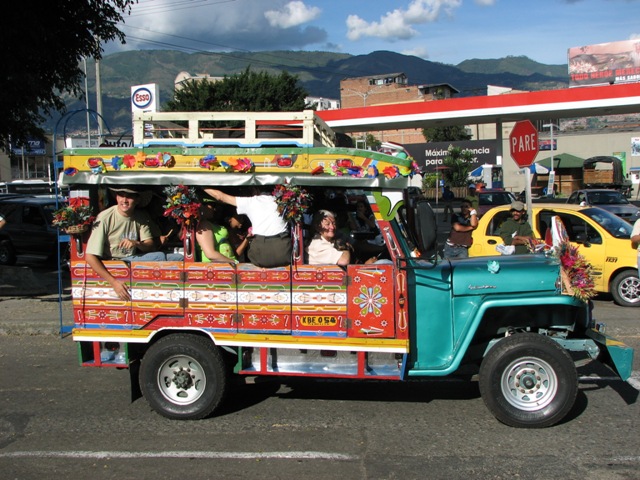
x,y
490,198
28,229
603,239
613,201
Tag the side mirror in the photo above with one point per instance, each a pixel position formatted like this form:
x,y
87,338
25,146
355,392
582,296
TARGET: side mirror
x,y
426,229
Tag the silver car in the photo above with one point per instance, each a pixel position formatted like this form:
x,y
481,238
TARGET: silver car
x,y
611,200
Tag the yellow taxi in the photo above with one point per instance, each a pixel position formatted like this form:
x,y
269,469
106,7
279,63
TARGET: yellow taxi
x,y
602,237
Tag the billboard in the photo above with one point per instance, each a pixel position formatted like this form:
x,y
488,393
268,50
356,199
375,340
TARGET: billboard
x,y
33,146
604,63
546,144
431,155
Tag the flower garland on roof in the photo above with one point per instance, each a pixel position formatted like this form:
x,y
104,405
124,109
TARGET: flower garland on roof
x,y
240,165
183,204
292,202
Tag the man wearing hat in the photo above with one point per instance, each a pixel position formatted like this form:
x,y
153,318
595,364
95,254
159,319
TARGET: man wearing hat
x,y
516,230
472,197
122,233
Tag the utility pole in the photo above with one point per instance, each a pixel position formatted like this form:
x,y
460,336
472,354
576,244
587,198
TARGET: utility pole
x,y
99,102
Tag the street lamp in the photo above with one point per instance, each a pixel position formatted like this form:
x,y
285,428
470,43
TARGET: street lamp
x,y
552,173
364,96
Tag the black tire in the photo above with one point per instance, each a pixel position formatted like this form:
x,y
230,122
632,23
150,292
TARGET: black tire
x,y
539,364
7,253
625,288
183,377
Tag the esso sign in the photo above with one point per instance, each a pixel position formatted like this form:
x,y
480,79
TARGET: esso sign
x,y
523,143
144,98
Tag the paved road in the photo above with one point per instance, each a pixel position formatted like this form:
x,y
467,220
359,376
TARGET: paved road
x,y
58,419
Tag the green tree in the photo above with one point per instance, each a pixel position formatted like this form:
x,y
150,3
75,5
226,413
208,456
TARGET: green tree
x,y
41,57
247,91
451,133
459,163
372,142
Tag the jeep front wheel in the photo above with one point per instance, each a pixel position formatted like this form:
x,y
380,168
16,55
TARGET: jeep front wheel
x,y
527,380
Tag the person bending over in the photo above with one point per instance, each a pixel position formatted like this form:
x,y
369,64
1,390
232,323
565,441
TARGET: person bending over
x,y
270,245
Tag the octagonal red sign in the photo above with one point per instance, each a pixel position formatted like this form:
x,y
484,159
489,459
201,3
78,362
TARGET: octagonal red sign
x,y
523,143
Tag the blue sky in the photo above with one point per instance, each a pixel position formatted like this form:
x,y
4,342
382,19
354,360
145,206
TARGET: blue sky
x,y
446,31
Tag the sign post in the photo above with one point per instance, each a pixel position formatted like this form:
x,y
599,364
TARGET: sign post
x,y
523,146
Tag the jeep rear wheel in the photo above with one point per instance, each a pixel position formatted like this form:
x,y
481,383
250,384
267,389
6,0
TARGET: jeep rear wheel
x,y
183,377
7,253
529,381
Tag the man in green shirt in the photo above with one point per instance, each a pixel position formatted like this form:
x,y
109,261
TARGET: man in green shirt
x,y
516,230
473,197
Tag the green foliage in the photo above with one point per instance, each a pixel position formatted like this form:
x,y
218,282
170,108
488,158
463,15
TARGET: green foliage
x,y
247,91
446,134
372,142
429,180
43,62
459,163
519,65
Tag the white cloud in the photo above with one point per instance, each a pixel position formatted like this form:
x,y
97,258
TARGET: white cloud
x,y
422,52
291,15
397,24
216,26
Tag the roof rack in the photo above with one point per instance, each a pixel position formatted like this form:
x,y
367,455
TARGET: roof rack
x,y
233,129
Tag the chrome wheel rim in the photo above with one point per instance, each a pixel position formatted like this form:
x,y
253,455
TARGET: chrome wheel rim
x,y
529,384
181,380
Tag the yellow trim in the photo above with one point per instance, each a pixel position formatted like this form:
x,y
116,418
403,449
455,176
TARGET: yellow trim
x,y
256,340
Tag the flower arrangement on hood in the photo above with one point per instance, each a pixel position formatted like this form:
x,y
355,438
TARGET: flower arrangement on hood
x,y
76,215
292,202
183,204
576,269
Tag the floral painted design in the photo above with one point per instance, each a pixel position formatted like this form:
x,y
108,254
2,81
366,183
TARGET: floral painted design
x,y
370,300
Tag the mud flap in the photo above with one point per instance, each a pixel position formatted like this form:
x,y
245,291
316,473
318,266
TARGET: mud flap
x,y
615,353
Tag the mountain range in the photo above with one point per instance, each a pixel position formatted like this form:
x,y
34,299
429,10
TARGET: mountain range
x,y
319,72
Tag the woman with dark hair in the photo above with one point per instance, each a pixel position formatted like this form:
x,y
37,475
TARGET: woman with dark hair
x,y
213,238
240,233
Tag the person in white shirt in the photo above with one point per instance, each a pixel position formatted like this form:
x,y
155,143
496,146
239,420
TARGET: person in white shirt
x,y
270,246
324,248
635,240
328,246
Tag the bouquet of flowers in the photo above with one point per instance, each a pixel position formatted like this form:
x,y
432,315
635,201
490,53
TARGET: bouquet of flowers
x,y
75,217
292,202
575,271
183,204
535,245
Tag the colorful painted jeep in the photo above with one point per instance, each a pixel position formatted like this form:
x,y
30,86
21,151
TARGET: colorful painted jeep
x,y
191,326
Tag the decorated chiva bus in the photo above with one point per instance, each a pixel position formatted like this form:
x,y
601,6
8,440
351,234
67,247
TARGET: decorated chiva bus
x,y
184,326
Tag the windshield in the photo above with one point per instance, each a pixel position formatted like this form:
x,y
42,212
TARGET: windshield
x,y
496,198
610,222
607,198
